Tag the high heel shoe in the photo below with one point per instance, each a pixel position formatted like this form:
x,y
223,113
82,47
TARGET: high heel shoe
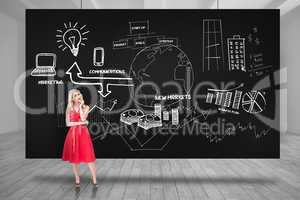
x,y
94,184
77,185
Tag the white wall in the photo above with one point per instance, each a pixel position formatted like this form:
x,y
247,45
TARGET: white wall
x,y
178,4
113,4
9,60
290,58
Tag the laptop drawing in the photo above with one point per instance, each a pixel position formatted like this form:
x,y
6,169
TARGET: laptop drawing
x,y
45,64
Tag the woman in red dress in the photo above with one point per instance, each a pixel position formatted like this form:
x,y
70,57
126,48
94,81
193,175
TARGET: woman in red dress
x,y
78,147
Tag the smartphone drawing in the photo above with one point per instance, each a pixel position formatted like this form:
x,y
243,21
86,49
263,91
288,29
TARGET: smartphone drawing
x,y
98,57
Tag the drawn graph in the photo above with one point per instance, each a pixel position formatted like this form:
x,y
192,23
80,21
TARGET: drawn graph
x,y
224,98
213,52
100,112
229,98
253,102
237,99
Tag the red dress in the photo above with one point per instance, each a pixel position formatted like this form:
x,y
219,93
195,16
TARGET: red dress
x,y
78,145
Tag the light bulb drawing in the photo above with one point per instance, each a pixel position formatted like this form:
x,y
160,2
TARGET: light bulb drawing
x,y
71,37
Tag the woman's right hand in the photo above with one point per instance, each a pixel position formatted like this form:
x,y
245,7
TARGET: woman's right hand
x,y
81,103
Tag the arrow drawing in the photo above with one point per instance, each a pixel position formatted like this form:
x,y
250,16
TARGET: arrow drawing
x,y
76,77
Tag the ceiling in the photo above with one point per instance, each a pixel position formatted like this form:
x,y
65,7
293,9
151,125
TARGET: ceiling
x,y
204,4
15,8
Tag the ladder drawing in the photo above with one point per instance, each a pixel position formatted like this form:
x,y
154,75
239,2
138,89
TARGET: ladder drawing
x,y
213,51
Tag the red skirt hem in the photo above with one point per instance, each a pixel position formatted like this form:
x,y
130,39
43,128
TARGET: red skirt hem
x,y
78,162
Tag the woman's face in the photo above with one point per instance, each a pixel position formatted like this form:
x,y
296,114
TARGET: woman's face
x,y
77,97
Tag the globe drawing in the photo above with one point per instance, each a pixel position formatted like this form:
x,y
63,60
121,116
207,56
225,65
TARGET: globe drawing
x,y
160,70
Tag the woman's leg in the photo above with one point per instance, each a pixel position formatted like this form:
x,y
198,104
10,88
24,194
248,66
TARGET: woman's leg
x,y
92,168
76,172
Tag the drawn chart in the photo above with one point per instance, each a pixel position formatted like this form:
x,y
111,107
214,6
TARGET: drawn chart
x,y
253,102
140,37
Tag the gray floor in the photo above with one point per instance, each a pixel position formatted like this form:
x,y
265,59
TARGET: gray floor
x,y
151,179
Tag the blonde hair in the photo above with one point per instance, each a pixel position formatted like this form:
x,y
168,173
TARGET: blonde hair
x,y
70,98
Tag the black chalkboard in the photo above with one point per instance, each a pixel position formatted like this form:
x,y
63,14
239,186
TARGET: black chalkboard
x,y
160,83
